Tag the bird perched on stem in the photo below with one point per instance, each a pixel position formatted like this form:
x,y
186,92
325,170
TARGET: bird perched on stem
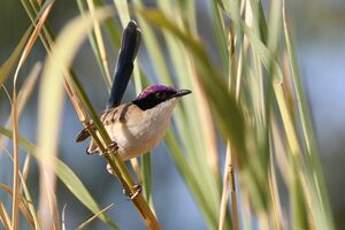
x,y
138,126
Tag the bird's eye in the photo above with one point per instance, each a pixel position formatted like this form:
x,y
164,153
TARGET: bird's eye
x,y
161,95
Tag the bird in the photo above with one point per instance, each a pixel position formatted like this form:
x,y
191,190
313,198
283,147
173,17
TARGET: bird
x,y
136,127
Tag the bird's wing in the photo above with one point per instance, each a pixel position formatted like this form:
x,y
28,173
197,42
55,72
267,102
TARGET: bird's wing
x,y
83,134
108,117
131,37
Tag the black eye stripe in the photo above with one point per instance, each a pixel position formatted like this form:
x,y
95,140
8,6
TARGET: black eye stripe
x,y
152,100
161,95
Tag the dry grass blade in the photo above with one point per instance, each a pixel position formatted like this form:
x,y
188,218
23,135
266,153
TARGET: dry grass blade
x,y
15,201
5,219
85,223
33,37
24,93
67,176
23,205
9,64
28,86
63,217
52,89
23,176
7,94
226,190
63,171
208,129
26,201
229,187
24,55
100,43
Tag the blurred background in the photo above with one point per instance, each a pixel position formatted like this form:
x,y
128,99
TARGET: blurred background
x,y
319,32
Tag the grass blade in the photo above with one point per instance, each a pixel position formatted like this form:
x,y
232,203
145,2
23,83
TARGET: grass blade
x,y
24,55
5,219
23,176
154,51
307,128
215,87
190,179
78,99
51,88
97,44
9,64
147,178
81,25
83,225
67,176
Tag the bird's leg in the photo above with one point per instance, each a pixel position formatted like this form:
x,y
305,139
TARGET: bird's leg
x,y
131,195
111,148
113,145
137,187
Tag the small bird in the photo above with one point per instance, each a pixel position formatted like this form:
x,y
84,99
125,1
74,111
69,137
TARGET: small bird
x,y
138,126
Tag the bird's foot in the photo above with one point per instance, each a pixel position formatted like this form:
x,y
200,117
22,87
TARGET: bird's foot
x,y
133,195
87,151
110,170
112,147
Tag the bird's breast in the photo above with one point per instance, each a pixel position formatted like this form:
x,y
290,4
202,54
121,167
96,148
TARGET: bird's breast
x,y
140,131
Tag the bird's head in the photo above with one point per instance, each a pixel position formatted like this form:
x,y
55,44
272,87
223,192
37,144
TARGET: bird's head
x,y
157,94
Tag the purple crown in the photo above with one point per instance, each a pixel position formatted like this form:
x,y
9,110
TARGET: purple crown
x,y
154,89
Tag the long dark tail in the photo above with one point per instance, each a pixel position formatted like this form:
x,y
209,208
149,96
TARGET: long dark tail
x,y
130,44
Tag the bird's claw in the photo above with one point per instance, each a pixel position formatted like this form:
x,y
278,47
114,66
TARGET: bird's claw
x,y
137,187
133,195
112,147
110,170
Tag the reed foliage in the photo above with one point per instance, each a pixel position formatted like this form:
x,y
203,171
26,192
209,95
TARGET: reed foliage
x,y
247,97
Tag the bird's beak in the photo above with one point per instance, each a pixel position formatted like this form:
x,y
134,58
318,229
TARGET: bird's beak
x,y
182,92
